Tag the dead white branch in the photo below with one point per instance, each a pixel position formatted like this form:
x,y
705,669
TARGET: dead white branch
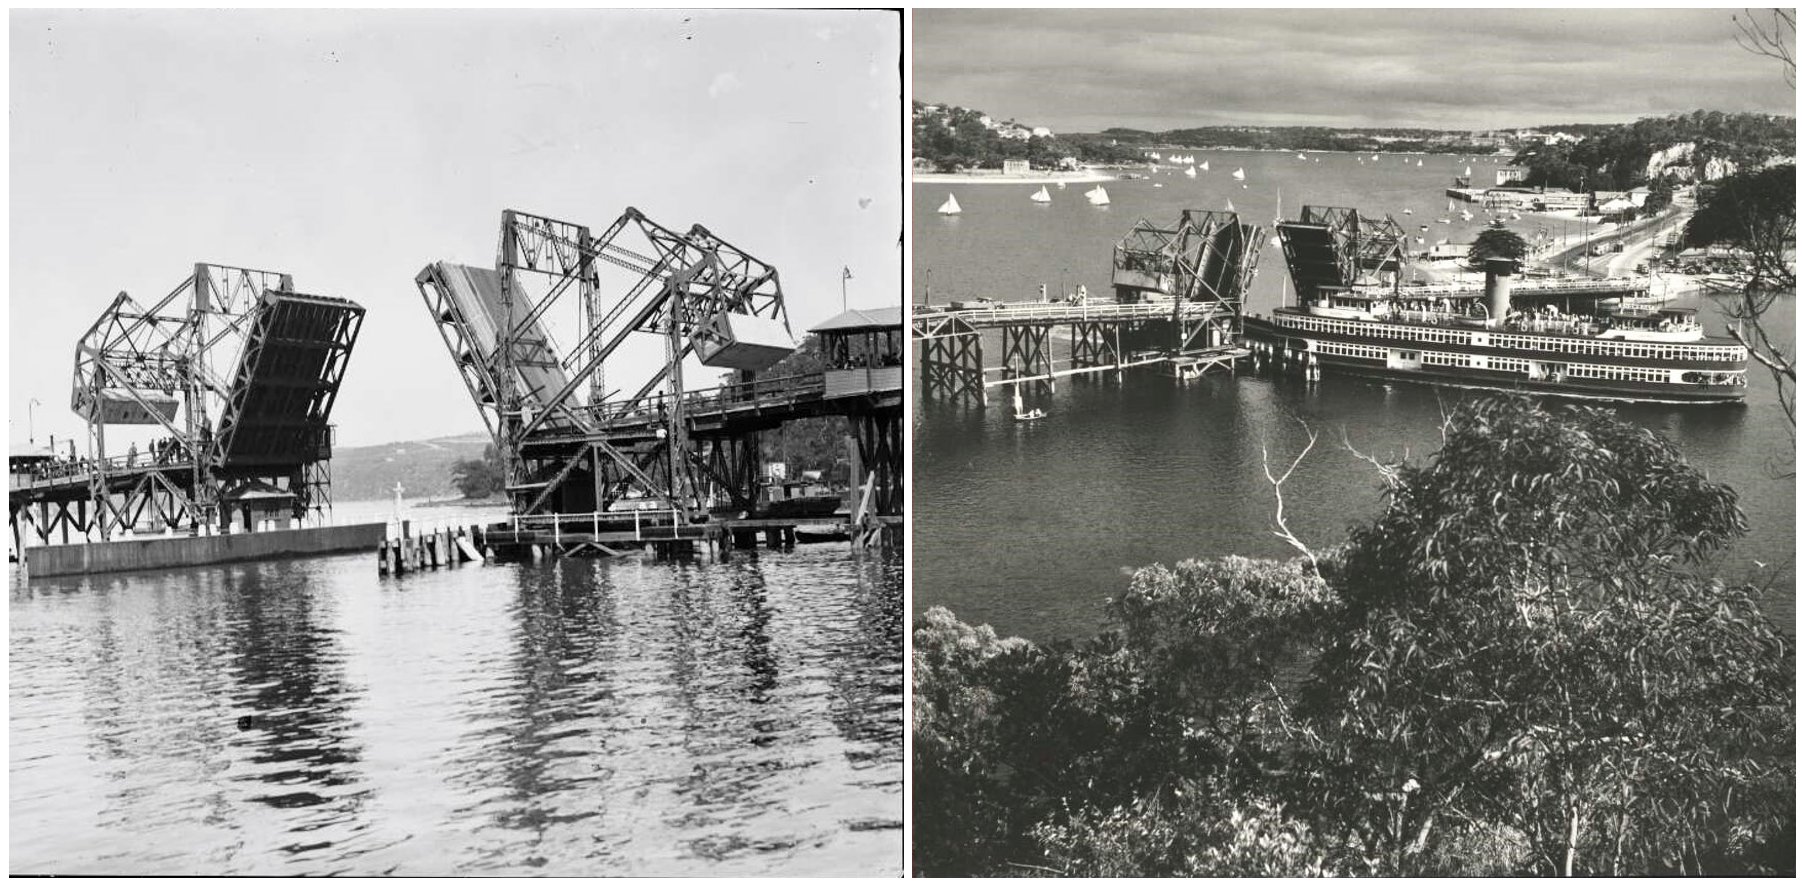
x,y
1277,482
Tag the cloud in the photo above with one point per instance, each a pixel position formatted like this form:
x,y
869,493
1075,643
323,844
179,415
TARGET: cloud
x,y
1085,70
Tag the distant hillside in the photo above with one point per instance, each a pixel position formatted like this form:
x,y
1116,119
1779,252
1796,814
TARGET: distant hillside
x,y
1699,146
422,467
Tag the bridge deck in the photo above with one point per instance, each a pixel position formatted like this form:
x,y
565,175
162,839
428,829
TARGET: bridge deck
x,y
56,484
735,408
927,319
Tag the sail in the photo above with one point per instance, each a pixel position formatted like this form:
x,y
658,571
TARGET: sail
x,y
1017,397
1468,170
1230,205
1418,164
950,207
1205,165
1190,171
1098,196
1041,196
1061,185
1240,175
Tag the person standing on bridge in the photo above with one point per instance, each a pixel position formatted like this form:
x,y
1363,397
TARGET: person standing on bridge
x,y
131,456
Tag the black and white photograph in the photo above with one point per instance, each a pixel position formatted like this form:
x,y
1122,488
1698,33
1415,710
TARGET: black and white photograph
x,y
456,443
1353,442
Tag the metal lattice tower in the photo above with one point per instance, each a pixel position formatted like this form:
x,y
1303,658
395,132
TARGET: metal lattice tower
x,y
241,372
548,409
1333,248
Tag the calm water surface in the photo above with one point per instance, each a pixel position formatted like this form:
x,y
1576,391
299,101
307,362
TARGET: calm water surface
x,y
567,718
1028,526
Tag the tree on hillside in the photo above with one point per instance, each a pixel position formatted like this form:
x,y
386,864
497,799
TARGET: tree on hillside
x,y
480,477
1515,668
808,443
1497,242
1525,641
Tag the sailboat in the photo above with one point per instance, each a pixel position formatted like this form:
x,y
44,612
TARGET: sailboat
x,y
1449,205
1374,158
1230,205
1418,164
1409,212
1240,174
950,207
1097,196
1205,166
1021,415
1468,170
1301,157
1190,171
1041,196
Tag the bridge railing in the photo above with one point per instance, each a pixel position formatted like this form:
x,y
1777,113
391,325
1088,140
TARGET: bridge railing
x,y
719,397
1521,286
1003,313
653,523
82,468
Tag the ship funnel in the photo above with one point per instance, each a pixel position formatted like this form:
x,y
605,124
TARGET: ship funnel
x,y
1498,272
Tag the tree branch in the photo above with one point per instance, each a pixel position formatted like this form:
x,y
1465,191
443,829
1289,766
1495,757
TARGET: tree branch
x,y
1277,482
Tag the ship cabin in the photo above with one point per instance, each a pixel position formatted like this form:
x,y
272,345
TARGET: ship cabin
x,y
1344,303
863,348
1664,324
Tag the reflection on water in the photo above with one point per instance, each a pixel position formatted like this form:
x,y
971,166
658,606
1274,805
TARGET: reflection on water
x,y
576,717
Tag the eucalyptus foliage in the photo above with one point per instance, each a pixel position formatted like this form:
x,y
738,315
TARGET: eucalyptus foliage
x,y
1515,668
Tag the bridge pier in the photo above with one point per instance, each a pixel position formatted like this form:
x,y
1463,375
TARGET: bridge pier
x,y
1025,353
952,363
1097,344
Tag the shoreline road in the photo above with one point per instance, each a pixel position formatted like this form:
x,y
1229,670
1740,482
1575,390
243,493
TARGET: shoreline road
x,y
1638,243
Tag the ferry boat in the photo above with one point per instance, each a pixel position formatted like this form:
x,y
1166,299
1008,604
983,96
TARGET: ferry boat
x,y
1548,339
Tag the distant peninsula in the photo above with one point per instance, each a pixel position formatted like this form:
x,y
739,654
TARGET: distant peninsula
x,y
1700,145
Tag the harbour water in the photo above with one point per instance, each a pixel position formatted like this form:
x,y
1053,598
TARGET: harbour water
x,y
571,717
1028,526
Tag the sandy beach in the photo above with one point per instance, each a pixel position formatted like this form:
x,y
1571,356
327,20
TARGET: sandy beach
x,y
1086,177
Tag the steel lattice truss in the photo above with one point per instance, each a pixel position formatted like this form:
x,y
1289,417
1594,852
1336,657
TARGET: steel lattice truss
x,y
1207,257
217,347
1363,245
532,397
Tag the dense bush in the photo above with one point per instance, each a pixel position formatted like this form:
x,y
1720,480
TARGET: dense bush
x,y
1515,668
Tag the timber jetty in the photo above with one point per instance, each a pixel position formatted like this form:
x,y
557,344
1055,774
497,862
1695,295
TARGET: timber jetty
x,y
1178,296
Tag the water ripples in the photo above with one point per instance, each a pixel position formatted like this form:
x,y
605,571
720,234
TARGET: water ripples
x,y
576,717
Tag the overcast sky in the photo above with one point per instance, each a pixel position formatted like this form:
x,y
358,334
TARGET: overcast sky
x,y
351,149
1463,69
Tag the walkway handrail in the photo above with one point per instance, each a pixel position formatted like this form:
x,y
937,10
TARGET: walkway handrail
x,y
724,395
1003,313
